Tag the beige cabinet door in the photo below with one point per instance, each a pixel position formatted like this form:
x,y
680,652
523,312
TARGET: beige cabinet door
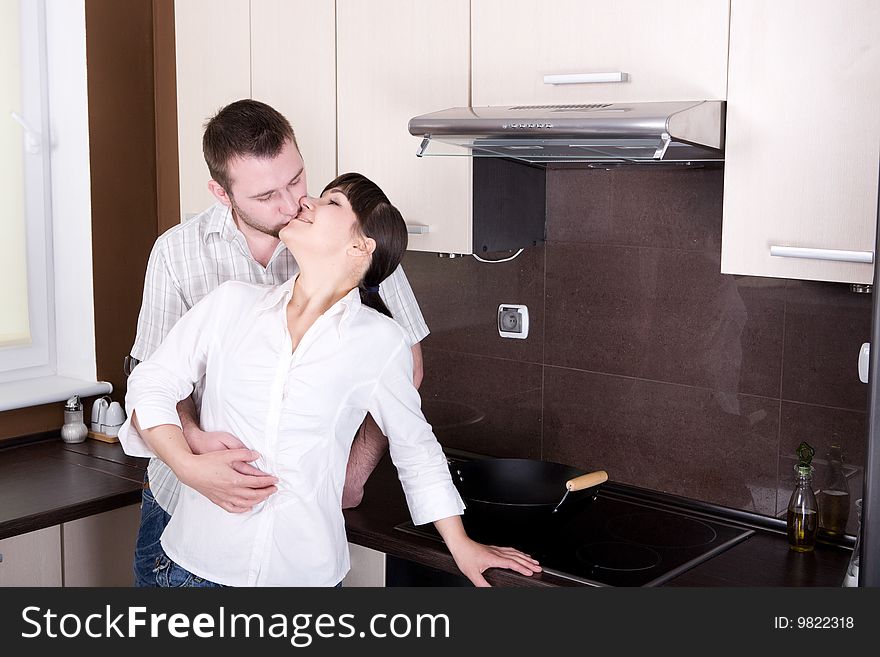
x,y
212,42
32,559
367,568
668,50
293,69
803,139
99,549
397,59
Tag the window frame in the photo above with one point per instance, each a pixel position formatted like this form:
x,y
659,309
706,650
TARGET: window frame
x,y
38,357
67,226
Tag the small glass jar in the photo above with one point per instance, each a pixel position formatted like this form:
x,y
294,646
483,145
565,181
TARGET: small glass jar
x,y
74,429
833,499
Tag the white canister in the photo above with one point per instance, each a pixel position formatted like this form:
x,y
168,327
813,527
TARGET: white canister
x,y
114,418
99,413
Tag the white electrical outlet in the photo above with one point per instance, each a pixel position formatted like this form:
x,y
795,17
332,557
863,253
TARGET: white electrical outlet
x,y
513,321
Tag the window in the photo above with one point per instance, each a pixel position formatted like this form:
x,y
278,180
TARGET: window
x,y
47,349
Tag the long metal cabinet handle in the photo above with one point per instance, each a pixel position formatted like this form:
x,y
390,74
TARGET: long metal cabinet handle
x,y
417,229
586,78
821,254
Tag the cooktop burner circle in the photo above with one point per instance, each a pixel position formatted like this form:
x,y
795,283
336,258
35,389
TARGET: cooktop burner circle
x,y
663,530
620,557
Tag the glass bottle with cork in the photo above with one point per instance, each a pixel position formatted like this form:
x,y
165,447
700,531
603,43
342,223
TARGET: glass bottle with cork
x,y
803,510
833,498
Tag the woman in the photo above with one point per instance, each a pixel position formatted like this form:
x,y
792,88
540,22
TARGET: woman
x,y
292,371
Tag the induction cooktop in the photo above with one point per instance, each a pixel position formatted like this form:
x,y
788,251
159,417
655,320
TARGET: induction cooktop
x,y
613,541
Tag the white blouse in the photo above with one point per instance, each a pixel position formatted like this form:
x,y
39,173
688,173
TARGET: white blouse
x,y
300,410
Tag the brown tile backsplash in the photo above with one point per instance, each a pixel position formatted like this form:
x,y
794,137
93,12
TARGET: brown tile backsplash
x,y
825,325
464,295
676,208
642,358
700,443
483,405
662,314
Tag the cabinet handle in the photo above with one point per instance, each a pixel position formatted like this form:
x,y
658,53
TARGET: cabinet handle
x,y
417,229
586,78
821,254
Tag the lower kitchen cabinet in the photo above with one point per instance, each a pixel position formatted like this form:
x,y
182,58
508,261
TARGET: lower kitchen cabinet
x,y
93,551
99,549
32,559
367,567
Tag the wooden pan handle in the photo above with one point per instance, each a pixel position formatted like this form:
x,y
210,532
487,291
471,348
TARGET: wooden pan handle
x,y
587,481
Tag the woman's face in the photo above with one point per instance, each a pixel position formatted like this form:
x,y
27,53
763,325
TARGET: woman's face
x,y
324,226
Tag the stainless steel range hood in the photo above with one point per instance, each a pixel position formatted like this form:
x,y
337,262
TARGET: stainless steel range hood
x,y
680,132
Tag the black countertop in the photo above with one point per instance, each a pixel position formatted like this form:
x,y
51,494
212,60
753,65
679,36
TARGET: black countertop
x,y
761,560
48,482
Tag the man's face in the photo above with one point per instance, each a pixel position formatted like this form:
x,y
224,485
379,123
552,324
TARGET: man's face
x,y
265,192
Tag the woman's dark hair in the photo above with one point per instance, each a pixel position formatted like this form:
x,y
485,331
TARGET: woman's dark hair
x,y
380,221
244,128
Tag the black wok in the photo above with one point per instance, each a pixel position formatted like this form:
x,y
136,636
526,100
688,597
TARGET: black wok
x,y
507,493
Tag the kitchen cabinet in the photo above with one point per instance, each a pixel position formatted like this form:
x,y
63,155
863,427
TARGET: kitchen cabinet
x,y
670,50
99,549
367,567
93,551
32,559
803,132
212,45
397,59
277,51
293,69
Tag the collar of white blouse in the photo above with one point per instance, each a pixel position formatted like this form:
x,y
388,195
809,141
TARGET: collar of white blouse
x,y
348,306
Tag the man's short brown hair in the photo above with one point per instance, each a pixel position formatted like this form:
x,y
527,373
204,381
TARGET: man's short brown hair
x,y
245,128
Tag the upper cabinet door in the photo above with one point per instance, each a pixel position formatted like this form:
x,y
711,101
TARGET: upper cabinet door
x,y
803,138
397,59
668,50
212,43
293,69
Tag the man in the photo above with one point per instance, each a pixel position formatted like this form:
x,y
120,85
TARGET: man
x,y
258,178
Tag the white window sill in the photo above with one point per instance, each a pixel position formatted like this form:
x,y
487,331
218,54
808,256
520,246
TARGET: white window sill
x,y
48,389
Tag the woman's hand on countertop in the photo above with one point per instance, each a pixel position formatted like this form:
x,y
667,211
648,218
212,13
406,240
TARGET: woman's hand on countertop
x,y
473,558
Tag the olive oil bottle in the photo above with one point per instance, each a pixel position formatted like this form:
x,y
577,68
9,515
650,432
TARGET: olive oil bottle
x,y
803,510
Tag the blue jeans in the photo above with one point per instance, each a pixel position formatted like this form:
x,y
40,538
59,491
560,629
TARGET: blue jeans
x,y
148,551
170,575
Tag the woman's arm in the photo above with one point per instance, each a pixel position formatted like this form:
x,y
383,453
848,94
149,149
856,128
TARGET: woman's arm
x,y
369,446
421,465
212,474
474,558
157,385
